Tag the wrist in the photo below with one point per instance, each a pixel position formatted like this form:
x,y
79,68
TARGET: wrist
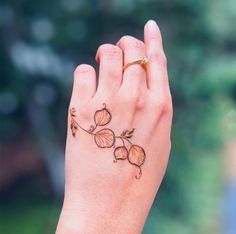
x,y
105,217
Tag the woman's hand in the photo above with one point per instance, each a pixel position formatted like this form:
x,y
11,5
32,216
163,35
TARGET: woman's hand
x,y
118,140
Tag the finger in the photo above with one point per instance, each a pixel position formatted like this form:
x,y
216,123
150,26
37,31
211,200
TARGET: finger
x,y
84,86
157,75
110,59
134,76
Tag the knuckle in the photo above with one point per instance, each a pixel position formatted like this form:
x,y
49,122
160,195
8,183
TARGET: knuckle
x,y
134,95
168,108
84,113
81,112
125,39
169,103
110,51
163,59
135,100
83,68
158,56
139,104
137,44
153,57
131,41
161,104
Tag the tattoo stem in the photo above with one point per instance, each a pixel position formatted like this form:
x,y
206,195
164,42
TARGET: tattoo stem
x,y
123,140
128,140
75,122
92,128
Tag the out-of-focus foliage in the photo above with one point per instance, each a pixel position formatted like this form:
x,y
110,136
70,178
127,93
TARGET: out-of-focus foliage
x,y
41,42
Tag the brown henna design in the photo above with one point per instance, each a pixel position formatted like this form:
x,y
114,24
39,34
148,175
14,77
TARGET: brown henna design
x,y
106,138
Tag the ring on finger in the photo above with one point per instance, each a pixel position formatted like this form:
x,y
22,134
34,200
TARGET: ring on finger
x,y
143,62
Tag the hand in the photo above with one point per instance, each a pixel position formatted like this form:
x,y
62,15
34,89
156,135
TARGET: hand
x,y
118,139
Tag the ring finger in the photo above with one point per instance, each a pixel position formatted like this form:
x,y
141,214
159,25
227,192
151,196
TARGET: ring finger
x,y
134,76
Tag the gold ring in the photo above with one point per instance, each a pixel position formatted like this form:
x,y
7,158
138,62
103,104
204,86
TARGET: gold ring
x,y
143,62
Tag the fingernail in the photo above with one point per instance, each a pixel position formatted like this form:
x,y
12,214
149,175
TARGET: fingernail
x,y
152,26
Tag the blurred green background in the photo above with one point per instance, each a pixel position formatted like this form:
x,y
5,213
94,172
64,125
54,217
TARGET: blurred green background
x,y
41,42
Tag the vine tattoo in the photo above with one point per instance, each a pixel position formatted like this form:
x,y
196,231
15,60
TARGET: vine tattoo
x,y
106,138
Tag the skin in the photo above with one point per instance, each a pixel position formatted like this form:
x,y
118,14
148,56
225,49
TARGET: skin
x,y
102,196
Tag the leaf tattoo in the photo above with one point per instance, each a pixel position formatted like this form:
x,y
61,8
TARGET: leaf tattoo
x,y
106,138
102,117
128,133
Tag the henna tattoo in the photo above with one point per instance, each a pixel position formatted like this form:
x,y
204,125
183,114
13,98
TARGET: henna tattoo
x,y
106,138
